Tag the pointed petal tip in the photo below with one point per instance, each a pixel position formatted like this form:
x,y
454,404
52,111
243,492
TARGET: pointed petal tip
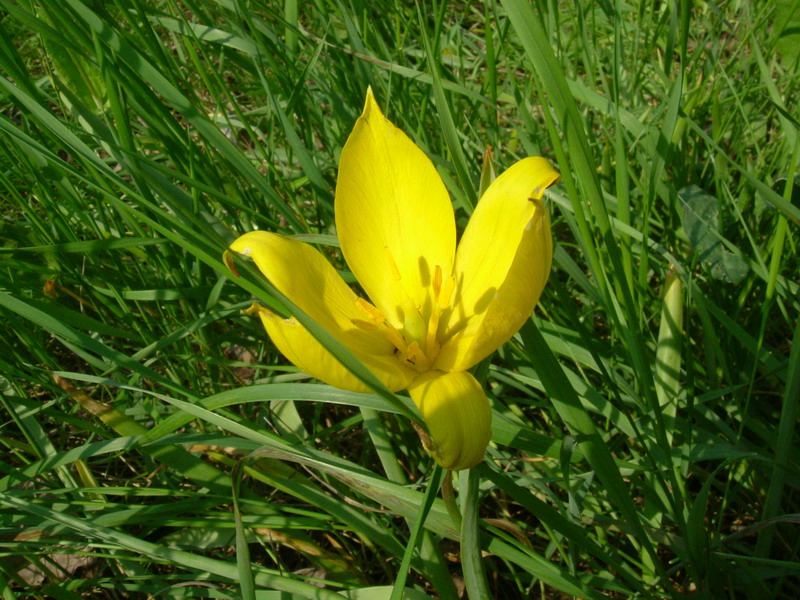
x,y
394,217
258,308
370,105
244,243
227,258
540,172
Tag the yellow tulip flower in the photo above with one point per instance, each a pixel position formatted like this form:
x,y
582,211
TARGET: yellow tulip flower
x,y
435,310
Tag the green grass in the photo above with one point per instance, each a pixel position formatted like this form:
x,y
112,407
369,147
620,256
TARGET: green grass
x,y
644,438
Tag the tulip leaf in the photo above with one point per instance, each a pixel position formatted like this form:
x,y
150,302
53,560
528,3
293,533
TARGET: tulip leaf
x,y
700,216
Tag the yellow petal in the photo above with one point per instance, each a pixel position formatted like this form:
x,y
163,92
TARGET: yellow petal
x,y
394,219
457,414
306,278
303,350
502,265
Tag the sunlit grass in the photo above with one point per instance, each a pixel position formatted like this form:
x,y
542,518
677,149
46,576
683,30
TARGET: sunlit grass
x,y
644,445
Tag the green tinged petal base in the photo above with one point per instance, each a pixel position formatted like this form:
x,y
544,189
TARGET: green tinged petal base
x,y
457,413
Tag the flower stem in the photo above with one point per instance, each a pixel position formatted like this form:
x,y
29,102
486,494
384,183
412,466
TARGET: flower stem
x,y
471,559
427,501
450,499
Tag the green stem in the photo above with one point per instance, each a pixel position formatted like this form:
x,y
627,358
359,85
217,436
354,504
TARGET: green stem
x,y
427,503
471,558
449,497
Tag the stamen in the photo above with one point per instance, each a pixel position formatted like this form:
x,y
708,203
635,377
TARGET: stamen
x,y
431,345
366,325
392,264
447,292
372,312
396,339
437,282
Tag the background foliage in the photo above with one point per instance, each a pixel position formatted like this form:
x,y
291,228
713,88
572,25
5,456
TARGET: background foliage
x,y
155,443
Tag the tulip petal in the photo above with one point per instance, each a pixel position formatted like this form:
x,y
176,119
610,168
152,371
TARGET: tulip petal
x,y
306,278
394,219
502,264
304,351
457,414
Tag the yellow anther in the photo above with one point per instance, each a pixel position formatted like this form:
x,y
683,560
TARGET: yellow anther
x,y
392,264
377,322
370,311
437,282
367,325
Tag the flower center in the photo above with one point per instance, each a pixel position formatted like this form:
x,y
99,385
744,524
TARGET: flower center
x,y
417,344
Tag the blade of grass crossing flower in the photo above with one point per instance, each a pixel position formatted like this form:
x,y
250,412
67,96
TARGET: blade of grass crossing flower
x,y
434,484
471,558
342,354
